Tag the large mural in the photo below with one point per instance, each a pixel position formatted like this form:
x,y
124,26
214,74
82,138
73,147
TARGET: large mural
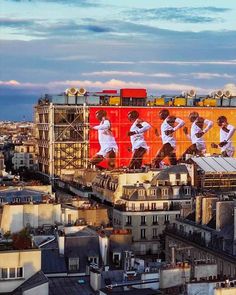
x,y
131,137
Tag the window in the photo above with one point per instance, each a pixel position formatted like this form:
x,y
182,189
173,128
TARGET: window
x,y
167,218
153,206
165,206
141,192
143,233
142,207
16,200
116,258
133,206
69,218
143,220
19,272
154,233
187,190
74,264
164,192
154,219
12,273
153,192
4,273
93,260
128,220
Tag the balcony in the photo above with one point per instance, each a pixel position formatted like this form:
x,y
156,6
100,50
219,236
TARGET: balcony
x,y
124,208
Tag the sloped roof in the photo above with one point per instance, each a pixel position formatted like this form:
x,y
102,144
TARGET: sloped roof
x,y
216,164
19,193
36,280
164,174
82,247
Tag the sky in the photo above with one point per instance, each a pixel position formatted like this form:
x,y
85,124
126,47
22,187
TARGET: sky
x,y
164,46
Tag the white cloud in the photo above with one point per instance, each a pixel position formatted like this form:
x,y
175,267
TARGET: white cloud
x,y
127,73
175,62
10,83
209,75
117,62
118,84
113,73
153,88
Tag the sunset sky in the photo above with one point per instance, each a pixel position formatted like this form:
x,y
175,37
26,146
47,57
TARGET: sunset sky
x,y
164,46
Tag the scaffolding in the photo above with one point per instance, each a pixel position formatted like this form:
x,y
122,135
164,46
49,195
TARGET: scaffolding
x,y
62,137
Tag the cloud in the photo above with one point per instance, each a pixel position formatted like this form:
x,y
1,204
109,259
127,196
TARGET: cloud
x,y
180,14
47,29
98,85
127,73
211,75
81,3
10,83
16,23
174,62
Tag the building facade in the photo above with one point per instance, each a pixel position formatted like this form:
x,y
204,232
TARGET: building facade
x,y
62,136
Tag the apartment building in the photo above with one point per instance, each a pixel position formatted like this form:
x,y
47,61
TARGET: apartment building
x,y
146,208
20,272
206,234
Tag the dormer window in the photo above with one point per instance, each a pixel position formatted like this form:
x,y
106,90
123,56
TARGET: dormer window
x,y
165,192
153,192
16,200
172,177
141,192
93,260
73,264
187,191
183,177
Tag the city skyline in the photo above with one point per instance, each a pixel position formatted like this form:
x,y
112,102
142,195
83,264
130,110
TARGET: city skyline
x,y
166,47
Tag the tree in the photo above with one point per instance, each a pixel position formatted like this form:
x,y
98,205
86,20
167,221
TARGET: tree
x,y
22,240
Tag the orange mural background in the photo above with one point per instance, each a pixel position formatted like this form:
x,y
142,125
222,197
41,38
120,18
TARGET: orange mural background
x,y
120,125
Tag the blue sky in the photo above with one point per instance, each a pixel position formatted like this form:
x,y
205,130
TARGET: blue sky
x,y
164,46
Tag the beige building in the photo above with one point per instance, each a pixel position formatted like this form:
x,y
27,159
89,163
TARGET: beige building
x,y
15,217
108,186
25,156
21,270
145,209
94,215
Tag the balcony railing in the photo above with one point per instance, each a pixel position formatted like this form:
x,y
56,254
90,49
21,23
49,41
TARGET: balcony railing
x,y
124,208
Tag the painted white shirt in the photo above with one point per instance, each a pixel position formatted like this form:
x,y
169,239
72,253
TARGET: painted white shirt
x,y
106,139
138,140
199,141
170,138
227,136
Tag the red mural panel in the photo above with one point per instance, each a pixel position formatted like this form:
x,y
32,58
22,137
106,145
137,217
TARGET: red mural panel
x,y
120,126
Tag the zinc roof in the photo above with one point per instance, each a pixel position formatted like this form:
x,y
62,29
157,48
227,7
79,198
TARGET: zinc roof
x,y
216,164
